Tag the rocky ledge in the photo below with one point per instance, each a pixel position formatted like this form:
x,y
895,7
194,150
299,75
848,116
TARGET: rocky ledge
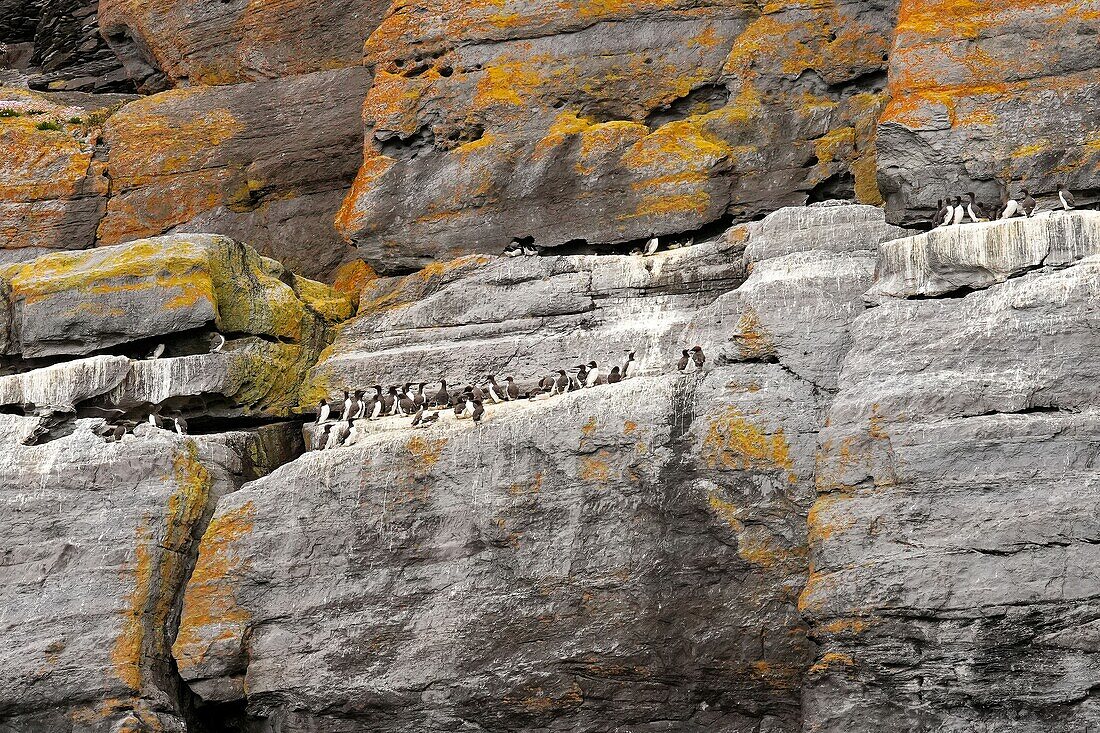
x,y
871,510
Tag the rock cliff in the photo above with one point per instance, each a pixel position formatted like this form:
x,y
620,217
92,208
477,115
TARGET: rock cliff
x,y
423,130
872,509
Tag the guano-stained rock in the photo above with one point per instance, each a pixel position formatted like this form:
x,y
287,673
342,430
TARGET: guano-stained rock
x,y
975,256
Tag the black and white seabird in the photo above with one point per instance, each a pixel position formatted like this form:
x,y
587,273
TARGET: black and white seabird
x,y
476,391
974,209
420,399
434,417
626,364
352,410
561,384
406,404
376,403
389,403
652,245
338,434
1065,197
593,376
582,374
496,394
512,389
938,216
180,424
323,411
682,365
945,214
699,358
347,405
441,398
156,353
959,212
360,405
615,376
477,411
1010,207
217,343
1028,204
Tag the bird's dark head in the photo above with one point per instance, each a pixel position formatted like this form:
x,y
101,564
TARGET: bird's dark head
x,y
697,349
1025,192
592,365
324,402
958,199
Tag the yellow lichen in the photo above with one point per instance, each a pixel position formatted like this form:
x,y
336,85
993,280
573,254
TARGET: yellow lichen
x,y
733,442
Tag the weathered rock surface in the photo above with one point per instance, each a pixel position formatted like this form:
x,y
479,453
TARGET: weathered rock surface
x,y
266,163
607,122
987,97
954,540
610,559
64,49
975,256
201,43
53,191
99,541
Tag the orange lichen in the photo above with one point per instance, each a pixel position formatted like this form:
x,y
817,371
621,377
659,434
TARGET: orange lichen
x,y
426,452
832,659
160,566
753,340
844,626
629,426
211,613
823,520
595,468
733,442
725,510
510,83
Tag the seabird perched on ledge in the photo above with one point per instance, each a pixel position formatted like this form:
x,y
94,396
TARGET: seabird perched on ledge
x,y
1065,197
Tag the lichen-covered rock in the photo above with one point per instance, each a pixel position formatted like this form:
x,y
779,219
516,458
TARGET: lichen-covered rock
x,y
53,190
987,97
975,256
266,163
604,560
954,542
99,539
74,303
203,43
607,122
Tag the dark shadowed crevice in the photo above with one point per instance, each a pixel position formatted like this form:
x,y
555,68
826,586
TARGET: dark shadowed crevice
x,y
700,100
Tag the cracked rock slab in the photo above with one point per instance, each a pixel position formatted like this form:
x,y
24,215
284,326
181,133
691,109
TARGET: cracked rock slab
x,y
975,256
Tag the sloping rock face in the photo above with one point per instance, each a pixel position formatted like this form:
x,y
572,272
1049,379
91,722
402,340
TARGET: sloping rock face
x,y
266,163
202,43
54,189
625,557
103,495
99,541
870,511
986,97
607,122
954,541
596,562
